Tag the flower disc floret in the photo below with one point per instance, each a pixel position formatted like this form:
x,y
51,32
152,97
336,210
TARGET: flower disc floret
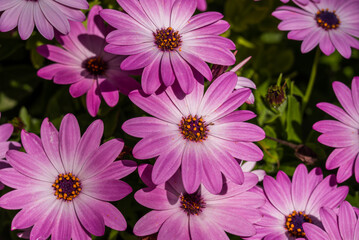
x,y
95,65
294,223
67,187
327,19
193,128
192,204
167,39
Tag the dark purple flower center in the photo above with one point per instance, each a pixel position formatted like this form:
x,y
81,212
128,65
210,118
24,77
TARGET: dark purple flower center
x,y
193,128
192,204
167,39
67,187
327,20
294,223
95,65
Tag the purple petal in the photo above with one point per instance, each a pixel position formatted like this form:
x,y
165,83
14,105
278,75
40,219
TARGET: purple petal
x,y
26,20
330,222
314,232
338,113
158,199
175,227
183,73
346,220
50,142
191,168
101,158
218,93
69,137
115,190
145,126
167,164
167,74
42,24
182,10
278,193
89,214
203,227
151,76
198,64
201,20
151,222
93,100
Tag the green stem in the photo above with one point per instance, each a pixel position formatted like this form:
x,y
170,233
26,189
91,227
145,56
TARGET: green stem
x,y
313,74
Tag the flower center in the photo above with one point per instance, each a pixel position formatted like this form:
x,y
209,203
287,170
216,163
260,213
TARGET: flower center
x,y
95,65
67,187
294,223
327,20
167,39
192,204
193,128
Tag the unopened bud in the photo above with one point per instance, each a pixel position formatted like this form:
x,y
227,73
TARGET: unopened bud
x,y
276,95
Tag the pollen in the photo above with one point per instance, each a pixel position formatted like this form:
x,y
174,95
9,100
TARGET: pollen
x,y
192,204
67,187
294,223
167,39
193,128
327,20
95,66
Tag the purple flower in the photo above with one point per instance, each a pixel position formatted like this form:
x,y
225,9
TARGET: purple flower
x,y
178,214
200,132
63,182
290,204
5,133
83,64
46,15
331,24
341,226
342,133
163,38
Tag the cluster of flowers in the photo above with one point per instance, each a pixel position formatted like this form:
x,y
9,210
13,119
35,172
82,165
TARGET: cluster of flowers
x,y
199,186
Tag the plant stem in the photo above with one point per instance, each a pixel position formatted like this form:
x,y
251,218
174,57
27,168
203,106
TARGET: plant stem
x,y
313,74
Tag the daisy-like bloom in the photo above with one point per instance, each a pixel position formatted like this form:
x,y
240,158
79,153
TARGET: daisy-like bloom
x,y
290,204
200,132
45,14
84,64
342,133
5,133
162,38
331,24
343,225
178,214
64,181
202,5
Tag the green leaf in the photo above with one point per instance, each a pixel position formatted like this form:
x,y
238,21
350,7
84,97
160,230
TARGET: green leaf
x,y
294,119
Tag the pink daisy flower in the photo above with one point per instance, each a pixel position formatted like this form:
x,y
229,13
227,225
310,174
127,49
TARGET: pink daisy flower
x,y
63,182
178,214
5,133
343,225
164,40
342,133
46,15
200,132
331,24
83,64
290,204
